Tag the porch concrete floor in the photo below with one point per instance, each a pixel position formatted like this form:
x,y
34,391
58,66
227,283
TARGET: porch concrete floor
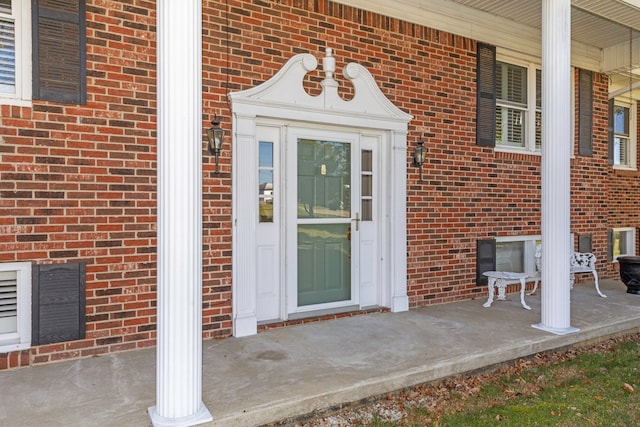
x,y
292,371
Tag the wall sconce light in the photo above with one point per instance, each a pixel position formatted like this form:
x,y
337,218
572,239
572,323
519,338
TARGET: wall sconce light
x,y
419,156
215,135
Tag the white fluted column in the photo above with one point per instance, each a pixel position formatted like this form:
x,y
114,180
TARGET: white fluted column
x,y
179,288
556,176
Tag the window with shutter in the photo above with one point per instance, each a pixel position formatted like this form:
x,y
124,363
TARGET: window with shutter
x,y
518,112
59,46
15,306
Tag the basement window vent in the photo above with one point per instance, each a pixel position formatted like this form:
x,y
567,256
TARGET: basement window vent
x,y
15,306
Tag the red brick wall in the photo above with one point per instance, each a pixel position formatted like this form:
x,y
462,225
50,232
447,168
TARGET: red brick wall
x,y
78,182
590,180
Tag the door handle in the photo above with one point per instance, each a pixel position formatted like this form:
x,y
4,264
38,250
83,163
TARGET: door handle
x,y
357,220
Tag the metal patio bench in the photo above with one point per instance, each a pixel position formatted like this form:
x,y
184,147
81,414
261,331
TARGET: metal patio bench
x,y
579,262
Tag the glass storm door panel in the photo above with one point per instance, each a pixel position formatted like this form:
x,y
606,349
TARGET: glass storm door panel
x,y
324,222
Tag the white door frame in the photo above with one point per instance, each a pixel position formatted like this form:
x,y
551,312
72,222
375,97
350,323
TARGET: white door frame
x,y
283,98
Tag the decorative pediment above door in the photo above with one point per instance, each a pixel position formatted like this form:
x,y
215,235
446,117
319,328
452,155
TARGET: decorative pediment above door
x,y
286,89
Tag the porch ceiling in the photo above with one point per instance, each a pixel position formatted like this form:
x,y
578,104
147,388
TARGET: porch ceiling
x,y
601,29
607,25
597,23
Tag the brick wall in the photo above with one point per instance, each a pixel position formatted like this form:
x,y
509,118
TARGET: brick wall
x,y
78,182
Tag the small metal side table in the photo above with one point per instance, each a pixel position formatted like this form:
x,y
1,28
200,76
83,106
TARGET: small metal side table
x,y
500,280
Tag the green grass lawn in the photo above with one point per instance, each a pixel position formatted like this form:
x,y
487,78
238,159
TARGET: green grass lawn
x,y
598,387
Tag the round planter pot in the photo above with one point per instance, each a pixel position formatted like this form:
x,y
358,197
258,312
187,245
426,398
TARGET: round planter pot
x,y
630,273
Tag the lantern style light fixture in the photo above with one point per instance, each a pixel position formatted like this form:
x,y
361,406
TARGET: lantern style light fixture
x,y
419,156
215,135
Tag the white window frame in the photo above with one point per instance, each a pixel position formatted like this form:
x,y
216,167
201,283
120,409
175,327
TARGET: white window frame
x,y
21,14
21,339
633,138
531,64
630,250
530,242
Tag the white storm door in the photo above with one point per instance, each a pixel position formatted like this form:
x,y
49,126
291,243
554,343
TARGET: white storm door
x,y
323,182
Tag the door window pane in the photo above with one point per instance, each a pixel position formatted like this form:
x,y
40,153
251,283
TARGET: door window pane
x,y
324,179
367,210
265,188
366,186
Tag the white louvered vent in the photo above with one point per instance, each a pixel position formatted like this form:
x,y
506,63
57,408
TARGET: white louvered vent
x,y
8,301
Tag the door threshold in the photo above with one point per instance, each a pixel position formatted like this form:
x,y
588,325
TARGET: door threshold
x,y
316,315
324,312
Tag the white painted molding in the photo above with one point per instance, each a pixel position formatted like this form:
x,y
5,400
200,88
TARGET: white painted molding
x,y
275,97
398,238
282,100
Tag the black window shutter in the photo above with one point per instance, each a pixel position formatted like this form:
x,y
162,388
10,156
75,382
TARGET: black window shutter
x,y
585,117
59,51
584,243
486,101
485,259
611,130
609,245
58,303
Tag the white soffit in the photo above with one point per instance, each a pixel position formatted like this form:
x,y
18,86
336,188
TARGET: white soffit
x,y
456,17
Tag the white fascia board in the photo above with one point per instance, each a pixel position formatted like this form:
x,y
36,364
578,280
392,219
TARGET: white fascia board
x,y
464,21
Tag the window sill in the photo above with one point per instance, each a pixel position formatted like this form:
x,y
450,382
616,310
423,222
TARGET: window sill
x,y
515,150
15,102
13,345
625,168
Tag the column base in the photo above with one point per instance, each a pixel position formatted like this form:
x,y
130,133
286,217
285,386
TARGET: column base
x,y
245,325
557,331
400,304
202,416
